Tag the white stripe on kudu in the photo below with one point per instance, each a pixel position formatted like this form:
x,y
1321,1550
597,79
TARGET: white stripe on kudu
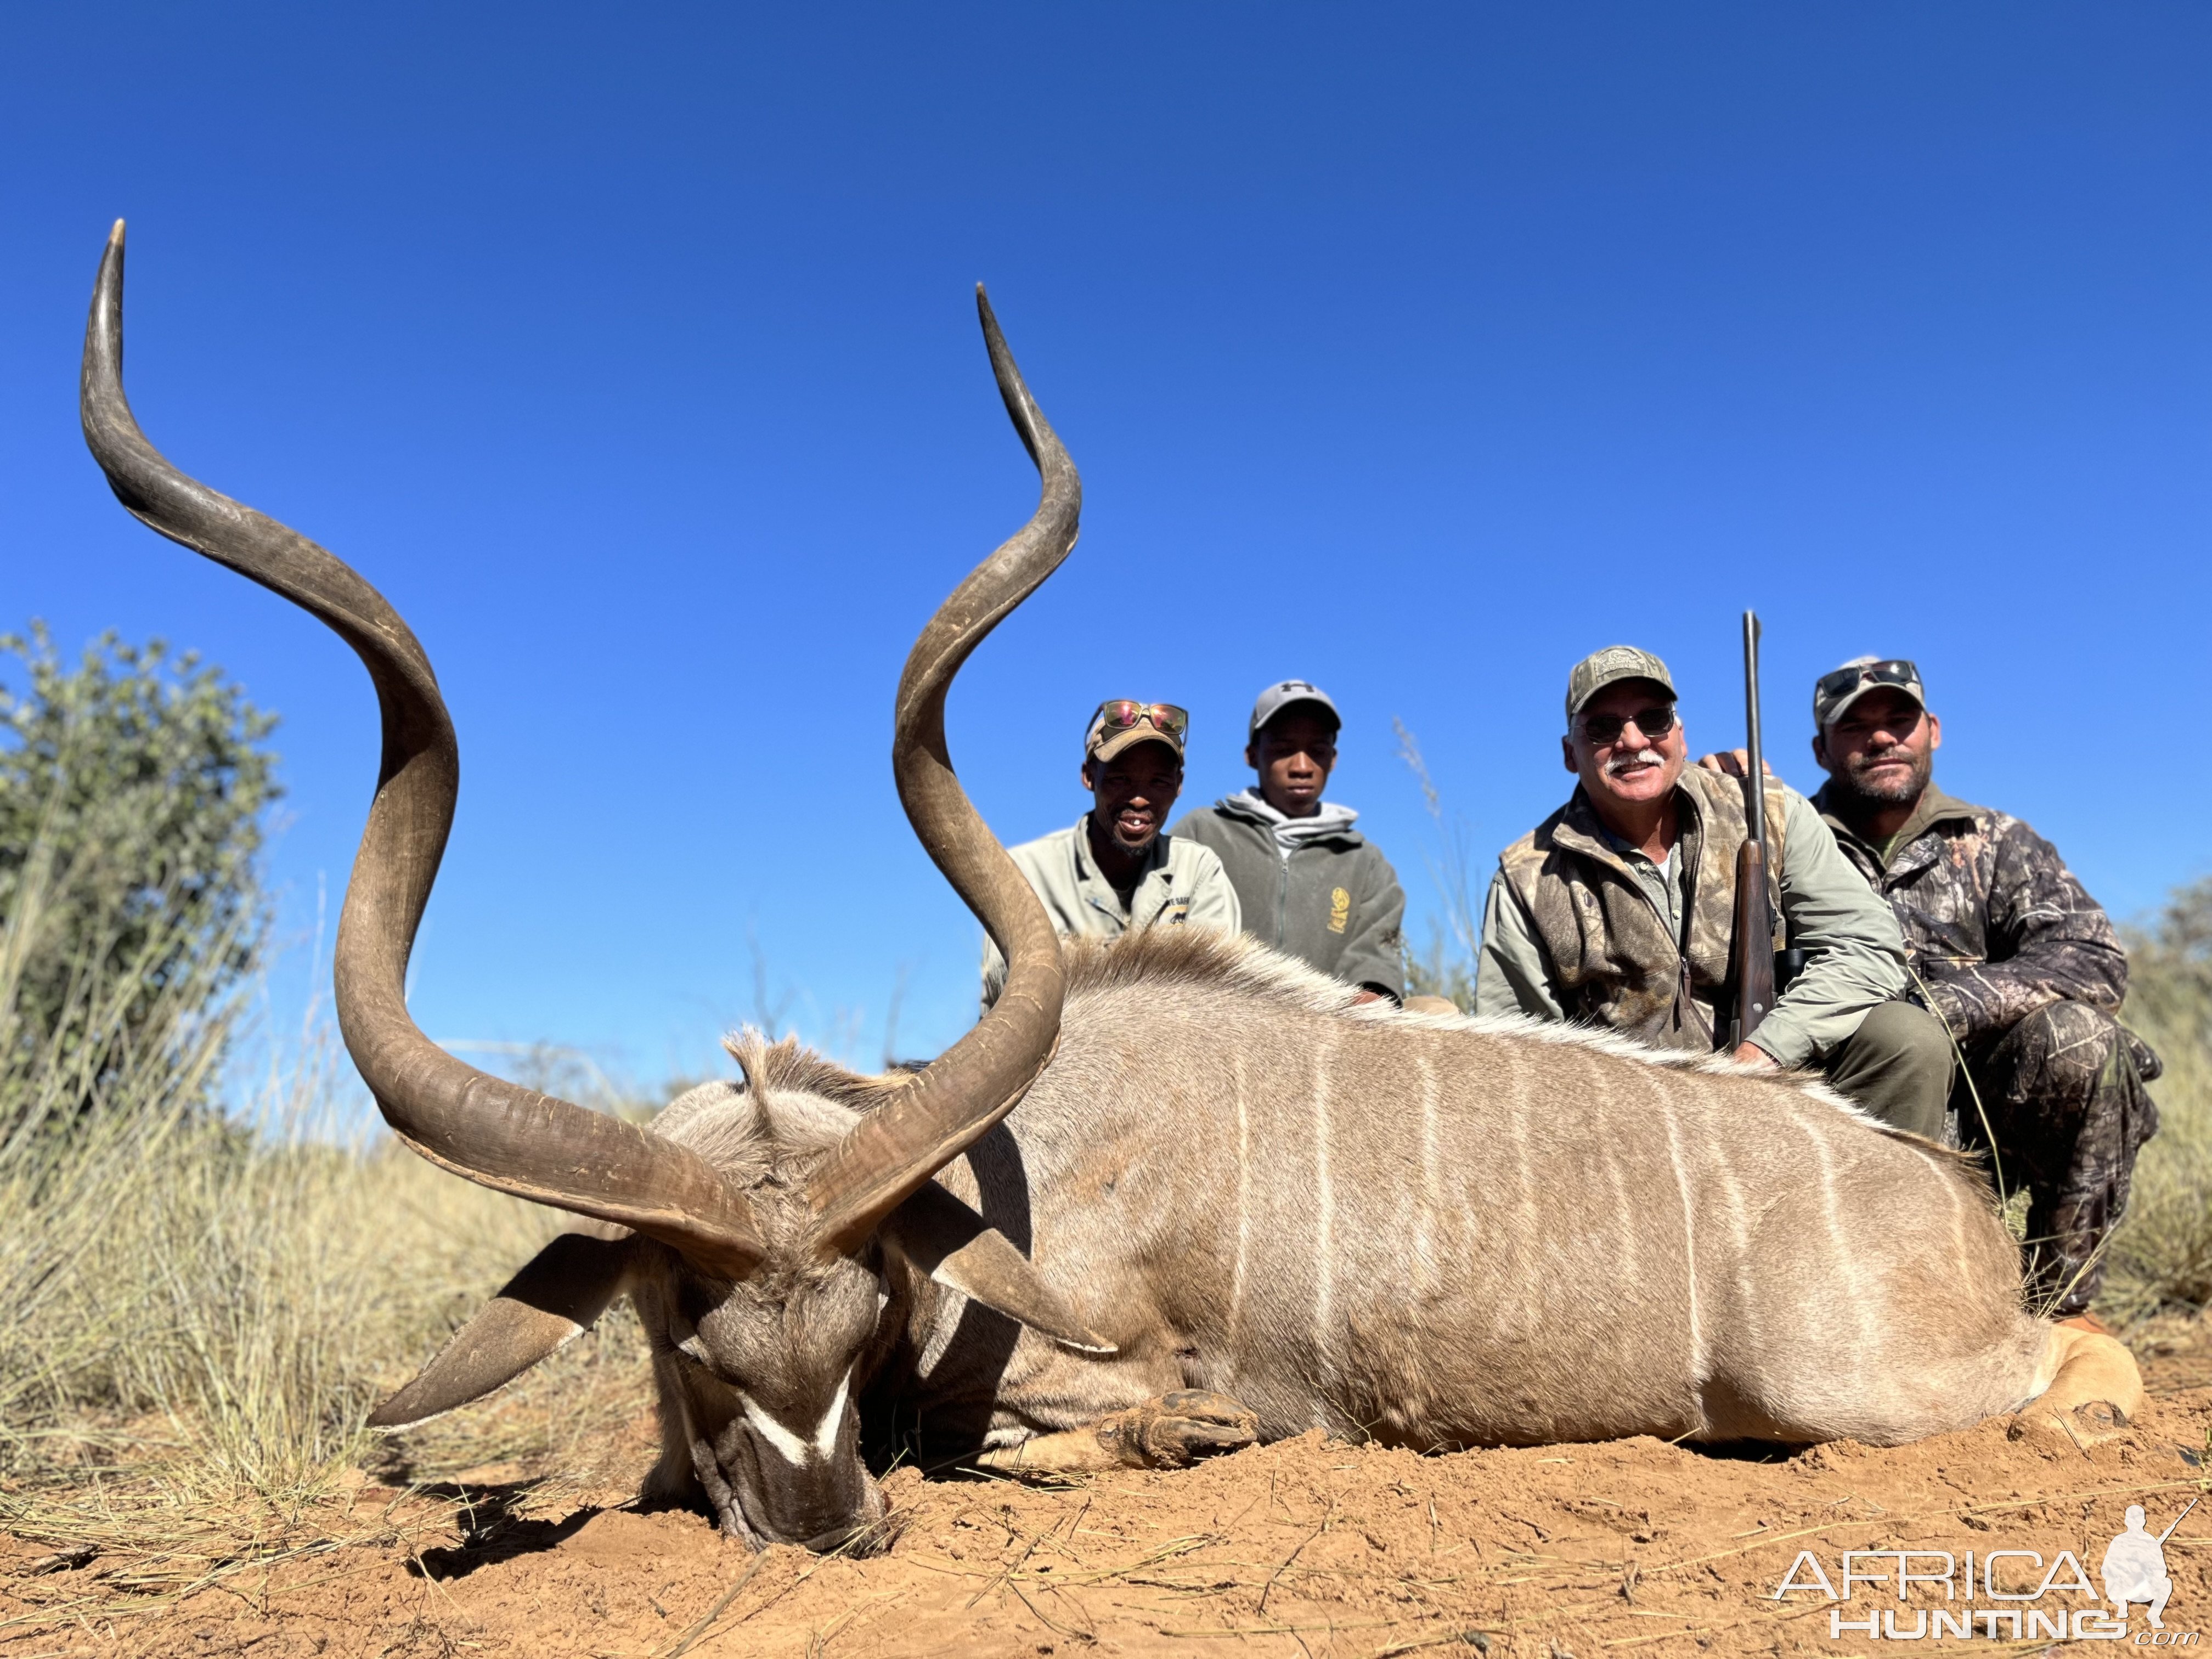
x,y
789,1446
1840,1254
1689,1242
825,1431
1243,1197
1425,1254
1324,1205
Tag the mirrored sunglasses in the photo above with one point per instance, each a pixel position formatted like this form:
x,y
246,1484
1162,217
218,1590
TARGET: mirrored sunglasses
x,y
1121,715
1896,672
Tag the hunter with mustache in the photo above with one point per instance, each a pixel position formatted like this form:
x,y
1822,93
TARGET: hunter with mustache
x,y
1618,911
1117,869
2011,953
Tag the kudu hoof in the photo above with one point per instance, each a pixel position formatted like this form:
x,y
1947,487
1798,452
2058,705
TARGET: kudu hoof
x,y
2089,1423
2096,1389
1176,1430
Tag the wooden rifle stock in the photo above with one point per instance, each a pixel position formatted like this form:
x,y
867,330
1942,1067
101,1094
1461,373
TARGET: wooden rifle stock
x,y
1754,941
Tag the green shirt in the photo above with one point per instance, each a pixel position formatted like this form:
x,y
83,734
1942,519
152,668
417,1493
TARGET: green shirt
x,y
1329,898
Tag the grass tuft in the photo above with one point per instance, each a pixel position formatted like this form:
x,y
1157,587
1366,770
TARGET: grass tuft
x,y
198,1309
2161,1254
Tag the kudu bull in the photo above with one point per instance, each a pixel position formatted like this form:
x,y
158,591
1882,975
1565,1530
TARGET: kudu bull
x,y
1167,1197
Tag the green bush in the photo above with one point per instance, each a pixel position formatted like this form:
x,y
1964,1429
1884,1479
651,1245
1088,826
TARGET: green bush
x,y
176,1287
131,791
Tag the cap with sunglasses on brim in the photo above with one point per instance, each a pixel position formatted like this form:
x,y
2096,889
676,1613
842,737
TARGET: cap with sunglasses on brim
x,y
1610,666
1119,724
1838,689
1289,694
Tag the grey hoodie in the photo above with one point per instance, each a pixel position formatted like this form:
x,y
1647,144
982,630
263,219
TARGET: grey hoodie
x,y
1312,887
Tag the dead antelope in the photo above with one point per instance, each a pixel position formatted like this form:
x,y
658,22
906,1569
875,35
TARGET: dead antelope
x,y
1166,1197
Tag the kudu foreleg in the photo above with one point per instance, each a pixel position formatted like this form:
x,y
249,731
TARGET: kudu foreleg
x,y
1171,1432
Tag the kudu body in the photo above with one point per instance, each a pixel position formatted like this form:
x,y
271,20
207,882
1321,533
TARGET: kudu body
x,y
1440,1232
1228,1204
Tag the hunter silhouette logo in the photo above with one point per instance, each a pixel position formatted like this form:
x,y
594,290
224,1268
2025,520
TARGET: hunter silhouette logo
x,y
2134,1568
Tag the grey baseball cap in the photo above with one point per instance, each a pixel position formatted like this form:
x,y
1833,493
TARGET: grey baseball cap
x,y
1838,689
1602,668
1281,695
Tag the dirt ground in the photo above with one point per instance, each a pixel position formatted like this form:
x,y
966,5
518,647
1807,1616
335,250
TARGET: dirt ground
x,y
1307,1547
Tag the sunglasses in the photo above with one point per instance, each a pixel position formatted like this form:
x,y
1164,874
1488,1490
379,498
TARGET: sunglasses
x,y
1896,672
1654,722
1121,715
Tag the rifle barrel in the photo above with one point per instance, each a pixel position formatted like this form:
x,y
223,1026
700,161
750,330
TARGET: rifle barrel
x,y
1754,949
2178,1520
1754,782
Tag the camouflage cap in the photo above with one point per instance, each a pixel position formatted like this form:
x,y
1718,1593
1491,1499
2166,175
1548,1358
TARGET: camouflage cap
x,y
1602,668
1838,689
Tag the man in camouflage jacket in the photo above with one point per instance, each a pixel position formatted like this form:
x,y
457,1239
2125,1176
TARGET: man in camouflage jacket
x,y
2012,954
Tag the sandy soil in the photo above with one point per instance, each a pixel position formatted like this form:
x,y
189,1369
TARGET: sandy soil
x,y
1305,1547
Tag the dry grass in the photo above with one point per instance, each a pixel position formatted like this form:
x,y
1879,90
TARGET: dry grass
x,y
188,1377
196,1315
2161,1257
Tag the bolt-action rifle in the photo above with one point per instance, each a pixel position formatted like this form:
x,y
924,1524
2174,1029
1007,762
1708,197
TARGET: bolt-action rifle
x,y
1754,919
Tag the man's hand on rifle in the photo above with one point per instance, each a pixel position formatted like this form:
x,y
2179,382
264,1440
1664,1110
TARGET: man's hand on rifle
x,y
1750,1053
1731,764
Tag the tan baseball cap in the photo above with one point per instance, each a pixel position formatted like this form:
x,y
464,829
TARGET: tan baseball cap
x,y
1602,668
1119,725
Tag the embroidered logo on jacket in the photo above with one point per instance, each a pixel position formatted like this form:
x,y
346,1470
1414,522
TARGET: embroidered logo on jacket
x,y
1340,910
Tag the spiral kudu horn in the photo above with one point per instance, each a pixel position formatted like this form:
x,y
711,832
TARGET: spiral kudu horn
x,y
978,1080
504,1137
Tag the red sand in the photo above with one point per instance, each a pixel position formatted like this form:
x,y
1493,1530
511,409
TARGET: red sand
x,y
1305,1547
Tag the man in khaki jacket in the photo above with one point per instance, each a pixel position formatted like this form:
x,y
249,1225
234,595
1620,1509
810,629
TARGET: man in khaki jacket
x,y
1117,869
1618,910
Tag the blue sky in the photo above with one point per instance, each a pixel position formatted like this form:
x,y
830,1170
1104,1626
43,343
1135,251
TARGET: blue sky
x,y
1417,351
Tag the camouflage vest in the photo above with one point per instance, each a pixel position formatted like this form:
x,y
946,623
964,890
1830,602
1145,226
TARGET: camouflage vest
x,y
1614,960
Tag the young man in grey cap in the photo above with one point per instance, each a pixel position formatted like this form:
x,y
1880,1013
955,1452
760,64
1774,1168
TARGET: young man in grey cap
x,y
2011,953
1309,884
1116,869
1618,911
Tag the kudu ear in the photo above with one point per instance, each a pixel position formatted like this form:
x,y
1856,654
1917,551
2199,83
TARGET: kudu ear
x,y
549,1303
954,1246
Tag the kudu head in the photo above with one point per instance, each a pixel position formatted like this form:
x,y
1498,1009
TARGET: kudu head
x,y
751,1228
